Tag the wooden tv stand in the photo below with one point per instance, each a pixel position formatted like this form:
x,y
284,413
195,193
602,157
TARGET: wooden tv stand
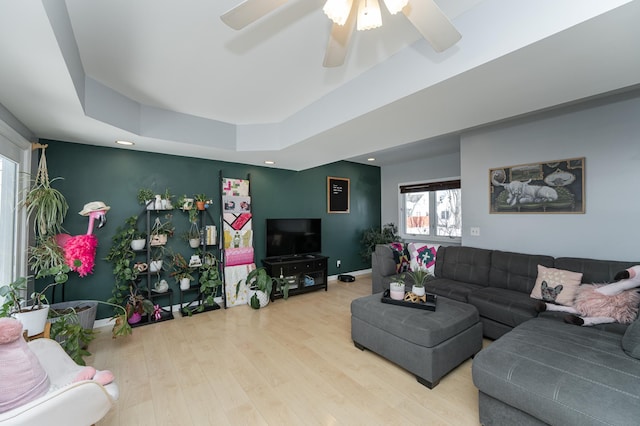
x,y
305,273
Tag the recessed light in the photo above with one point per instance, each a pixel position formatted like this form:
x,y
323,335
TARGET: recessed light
x,y
371,159
127,143
270,162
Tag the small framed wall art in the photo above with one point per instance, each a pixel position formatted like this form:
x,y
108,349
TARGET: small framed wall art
x,y
338,194
548,187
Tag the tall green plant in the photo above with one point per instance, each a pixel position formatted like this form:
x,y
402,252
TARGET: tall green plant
x,y
372,236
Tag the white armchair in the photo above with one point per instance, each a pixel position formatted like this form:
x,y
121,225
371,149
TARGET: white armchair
x,y
82,403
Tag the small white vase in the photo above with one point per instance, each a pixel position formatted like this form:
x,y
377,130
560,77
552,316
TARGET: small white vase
x,y
396,291
418,291
185,283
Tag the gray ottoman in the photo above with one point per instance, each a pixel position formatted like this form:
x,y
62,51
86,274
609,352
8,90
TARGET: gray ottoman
x,y
429,344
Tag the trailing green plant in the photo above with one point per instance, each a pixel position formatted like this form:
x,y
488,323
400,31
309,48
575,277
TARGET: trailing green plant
x,y
122,257
43,203
73,337
372,236
46,254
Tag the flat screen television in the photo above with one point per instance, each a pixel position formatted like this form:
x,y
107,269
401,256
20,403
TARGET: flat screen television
x,y
293,237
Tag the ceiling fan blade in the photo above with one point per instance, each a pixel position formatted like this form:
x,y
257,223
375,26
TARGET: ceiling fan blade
x,y
338,44
249,11
434,26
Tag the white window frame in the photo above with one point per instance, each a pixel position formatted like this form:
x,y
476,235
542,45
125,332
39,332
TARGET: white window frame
x,y
432,209
18,149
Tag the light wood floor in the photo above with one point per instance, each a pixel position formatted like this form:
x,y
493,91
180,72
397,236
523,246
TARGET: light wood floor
x,y
292,363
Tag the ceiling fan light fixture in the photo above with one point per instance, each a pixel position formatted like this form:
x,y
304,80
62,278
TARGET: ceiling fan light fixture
x,y
369,16
338,10
395,6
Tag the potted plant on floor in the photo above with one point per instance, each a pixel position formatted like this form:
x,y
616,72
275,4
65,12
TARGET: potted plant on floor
x,y
260,286
373,236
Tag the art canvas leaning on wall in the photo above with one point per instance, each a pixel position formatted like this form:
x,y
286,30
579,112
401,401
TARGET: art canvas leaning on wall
x,y
546,187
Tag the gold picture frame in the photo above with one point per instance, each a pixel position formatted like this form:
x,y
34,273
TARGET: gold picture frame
x,y
547,187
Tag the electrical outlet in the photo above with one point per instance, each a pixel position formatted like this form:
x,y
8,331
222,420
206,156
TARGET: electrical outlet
x,y
338,263
474,231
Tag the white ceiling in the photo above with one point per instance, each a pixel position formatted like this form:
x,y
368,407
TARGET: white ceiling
x,y
174,79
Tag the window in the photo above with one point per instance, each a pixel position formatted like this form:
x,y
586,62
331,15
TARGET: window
x,y
431,210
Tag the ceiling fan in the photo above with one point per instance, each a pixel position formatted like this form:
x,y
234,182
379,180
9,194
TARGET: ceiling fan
x,y
425,15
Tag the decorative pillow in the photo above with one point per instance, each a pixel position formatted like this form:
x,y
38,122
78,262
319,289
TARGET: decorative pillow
x,y
631,339
401,257
423,256
556,285
22,378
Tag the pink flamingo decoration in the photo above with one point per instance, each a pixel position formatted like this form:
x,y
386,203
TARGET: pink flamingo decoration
x,y
80,250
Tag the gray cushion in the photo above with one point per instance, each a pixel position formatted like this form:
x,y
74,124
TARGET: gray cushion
x,y
593,270
561,374
451,289
516,271
631,340
504,306
418,326
465,264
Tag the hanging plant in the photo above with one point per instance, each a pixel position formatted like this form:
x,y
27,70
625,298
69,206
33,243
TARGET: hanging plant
x,y
45,205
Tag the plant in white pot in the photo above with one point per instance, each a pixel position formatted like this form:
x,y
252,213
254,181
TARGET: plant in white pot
x,y
396,289
182,272
31,311
260,285
419,278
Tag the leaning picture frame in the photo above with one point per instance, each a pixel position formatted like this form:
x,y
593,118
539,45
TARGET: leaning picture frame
x,y
556,186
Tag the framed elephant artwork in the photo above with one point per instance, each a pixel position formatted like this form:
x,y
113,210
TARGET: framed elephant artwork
x,y
547,187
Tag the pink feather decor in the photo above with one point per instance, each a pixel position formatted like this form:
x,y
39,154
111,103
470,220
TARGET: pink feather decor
x,y
82,248
622,307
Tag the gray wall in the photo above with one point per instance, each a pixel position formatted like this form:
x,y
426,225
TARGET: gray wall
x,y
606,132
439,167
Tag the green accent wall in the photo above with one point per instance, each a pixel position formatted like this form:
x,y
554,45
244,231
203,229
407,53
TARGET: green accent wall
x,y
115,175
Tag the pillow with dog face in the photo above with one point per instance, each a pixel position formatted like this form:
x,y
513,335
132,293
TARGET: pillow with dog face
x,y
556,285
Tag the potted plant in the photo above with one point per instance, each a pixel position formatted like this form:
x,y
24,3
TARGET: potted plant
x,y
33,311
136,306
145,197
182,272
210,280
161,231
396,289
372,236
166,200
192,236
157,259
418,277
200,200
260,286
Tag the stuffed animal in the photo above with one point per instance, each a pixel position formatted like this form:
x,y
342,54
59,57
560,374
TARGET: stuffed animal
x,y
603,303
22,377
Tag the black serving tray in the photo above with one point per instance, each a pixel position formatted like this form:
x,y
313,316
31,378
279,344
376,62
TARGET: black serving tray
x,y
429,305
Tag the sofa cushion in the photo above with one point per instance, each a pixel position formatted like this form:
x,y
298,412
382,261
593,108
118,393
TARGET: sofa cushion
x,y
631,340
400,256
504,306
564,283
516,271
466,264
561,374
422,256
593,270
456,290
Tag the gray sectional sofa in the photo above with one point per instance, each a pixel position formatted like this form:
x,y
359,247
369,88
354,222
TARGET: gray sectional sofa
x,y
539,370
